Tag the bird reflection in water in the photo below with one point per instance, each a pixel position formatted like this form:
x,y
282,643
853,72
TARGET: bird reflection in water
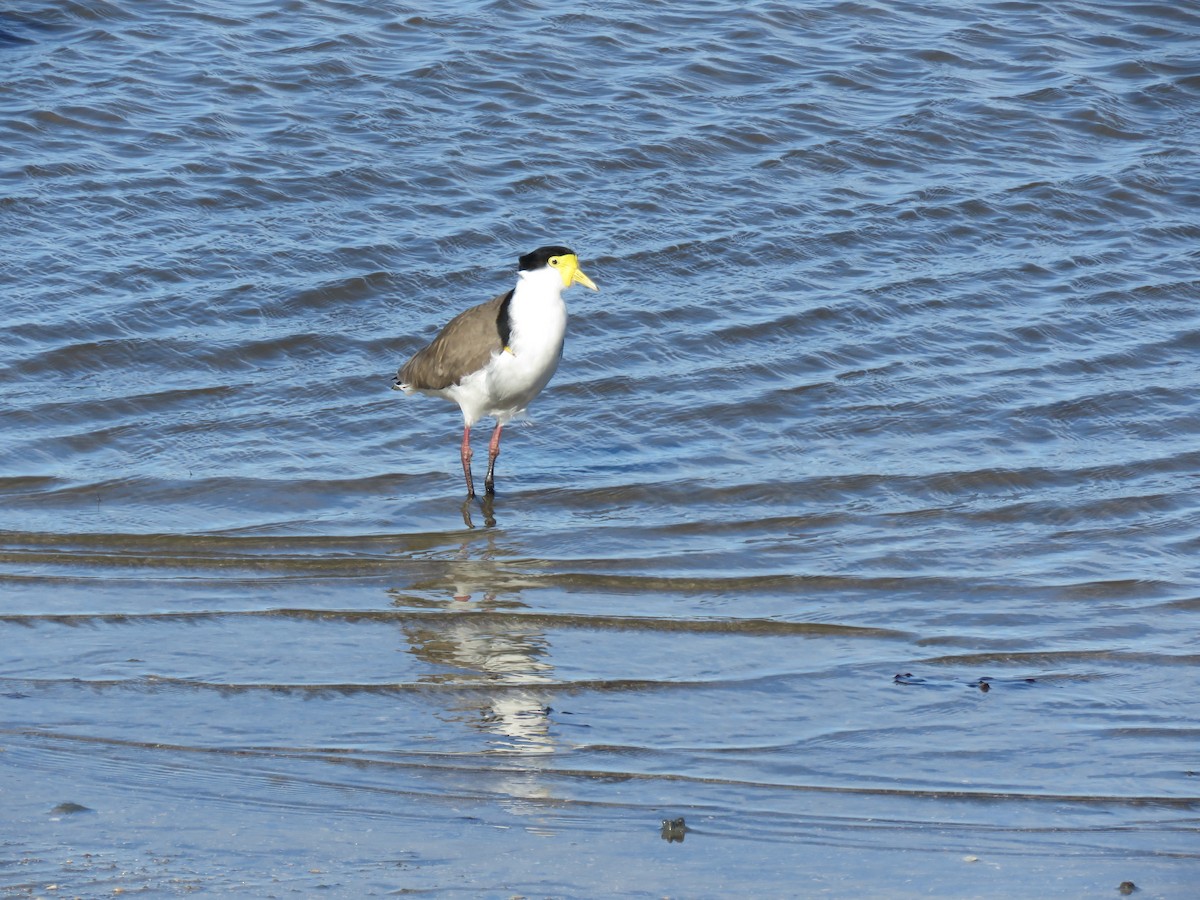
x,y
495,655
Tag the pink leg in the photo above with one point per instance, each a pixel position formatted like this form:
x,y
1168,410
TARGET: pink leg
x,y
466,460
489,482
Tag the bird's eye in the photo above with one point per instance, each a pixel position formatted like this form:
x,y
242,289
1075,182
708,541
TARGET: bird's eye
x,y
554,260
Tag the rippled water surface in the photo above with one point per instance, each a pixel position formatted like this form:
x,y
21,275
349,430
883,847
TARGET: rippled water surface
x,y
859,527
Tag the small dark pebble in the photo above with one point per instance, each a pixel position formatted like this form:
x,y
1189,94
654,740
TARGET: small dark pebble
x,y
673,830
1127,887
984,686
68,809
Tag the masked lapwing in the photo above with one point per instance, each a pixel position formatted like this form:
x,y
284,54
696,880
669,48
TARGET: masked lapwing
x,y
494,358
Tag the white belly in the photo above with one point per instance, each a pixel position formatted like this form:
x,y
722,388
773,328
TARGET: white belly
x,y
512,378
518,374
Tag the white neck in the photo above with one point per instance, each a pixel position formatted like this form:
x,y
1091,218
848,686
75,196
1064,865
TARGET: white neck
x,y
537,313
544,280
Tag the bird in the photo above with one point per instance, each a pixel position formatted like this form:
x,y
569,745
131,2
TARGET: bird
x,y
494,358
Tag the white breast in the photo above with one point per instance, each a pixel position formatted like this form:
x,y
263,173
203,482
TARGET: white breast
x,y
538,318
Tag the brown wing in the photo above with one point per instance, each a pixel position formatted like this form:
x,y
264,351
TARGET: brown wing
x,y
462,347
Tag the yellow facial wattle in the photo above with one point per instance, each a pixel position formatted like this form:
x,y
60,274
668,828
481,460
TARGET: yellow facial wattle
x,y
569,271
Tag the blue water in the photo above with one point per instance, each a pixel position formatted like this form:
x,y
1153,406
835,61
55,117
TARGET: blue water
x,y
887,397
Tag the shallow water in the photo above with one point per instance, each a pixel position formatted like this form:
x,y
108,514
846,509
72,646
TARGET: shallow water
x,y
858,527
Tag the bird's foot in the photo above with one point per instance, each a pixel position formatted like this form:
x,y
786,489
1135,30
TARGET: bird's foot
x,y
486,506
